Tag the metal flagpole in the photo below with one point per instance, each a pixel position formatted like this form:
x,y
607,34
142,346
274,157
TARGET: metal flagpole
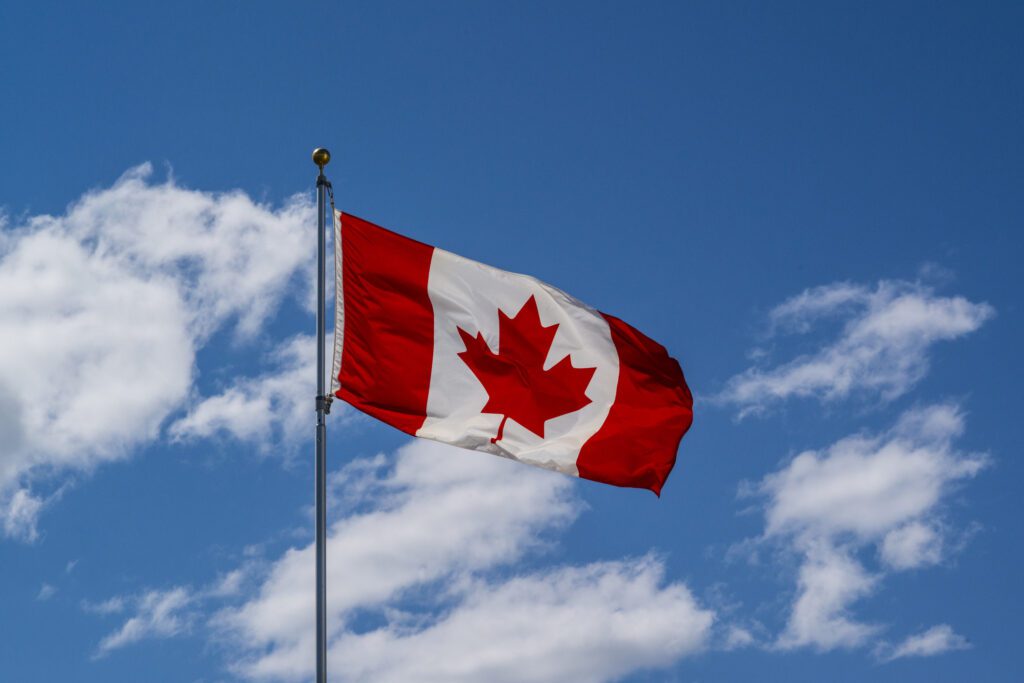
x,y
321,157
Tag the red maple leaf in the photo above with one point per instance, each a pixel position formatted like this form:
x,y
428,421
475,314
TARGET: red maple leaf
x,y
516,382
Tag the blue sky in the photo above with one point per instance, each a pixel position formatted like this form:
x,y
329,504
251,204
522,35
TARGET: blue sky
x,y
816,207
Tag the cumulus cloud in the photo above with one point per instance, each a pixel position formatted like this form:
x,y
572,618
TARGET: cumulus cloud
x,y
229,256
598,622
439,522
419,591
104,309
884,492
268,409
912,545
437,513
866,486
882,348
829,581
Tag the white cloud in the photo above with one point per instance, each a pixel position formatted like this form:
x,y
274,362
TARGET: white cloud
x,y
869,486
882,349
228,255
934,641
797,313
19,513
588,624
164,613
229,584
46,591
912,545
157,614
883,491
829,581
419,555
114,605
737,637
104,309
272,408
440,511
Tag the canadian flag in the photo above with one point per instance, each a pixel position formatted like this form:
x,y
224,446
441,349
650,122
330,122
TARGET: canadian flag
x,y
450,349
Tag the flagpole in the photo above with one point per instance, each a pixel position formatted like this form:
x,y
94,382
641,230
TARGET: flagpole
x,y
321,157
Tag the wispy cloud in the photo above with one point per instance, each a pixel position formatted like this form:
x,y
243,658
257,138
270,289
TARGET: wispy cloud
x,y
155,614
104,309
881,350
934,641
737,637
114,605
883,492
19,512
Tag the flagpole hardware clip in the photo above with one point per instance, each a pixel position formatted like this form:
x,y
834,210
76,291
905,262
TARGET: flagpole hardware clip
x,y
324,403
322,180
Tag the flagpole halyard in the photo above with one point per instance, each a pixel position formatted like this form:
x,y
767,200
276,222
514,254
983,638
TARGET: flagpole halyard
x,y
321,157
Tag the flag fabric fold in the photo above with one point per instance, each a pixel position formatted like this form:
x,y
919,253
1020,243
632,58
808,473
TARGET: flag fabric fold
x,y
450,349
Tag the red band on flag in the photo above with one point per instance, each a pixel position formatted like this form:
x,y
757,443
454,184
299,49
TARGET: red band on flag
x,y
653,408
389,324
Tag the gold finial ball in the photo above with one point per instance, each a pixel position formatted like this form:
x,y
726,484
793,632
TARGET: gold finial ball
x,y
321,157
